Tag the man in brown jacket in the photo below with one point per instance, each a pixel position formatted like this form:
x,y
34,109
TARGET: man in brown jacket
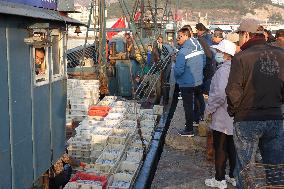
x,y
279,39
255,93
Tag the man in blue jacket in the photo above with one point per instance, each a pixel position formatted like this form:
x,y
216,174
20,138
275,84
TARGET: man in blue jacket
x,y
188,72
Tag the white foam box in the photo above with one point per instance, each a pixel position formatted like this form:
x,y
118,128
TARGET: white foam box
x,y
93,122
147,123
79,93
86,146
85,153
86,101
114,149
148,117
74,153
118,136
120,181
130,130
127,167
129,123
114,116
105,103
105,162
158,110
84,184
99,141
112,123
146,111
101,131
95,154
78,113
133,156
133,110
118,110
131,117
113,98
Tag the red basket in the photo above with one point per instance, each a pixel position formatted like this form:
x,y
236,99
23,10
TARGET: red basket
x,y
97,113
102,108
85,176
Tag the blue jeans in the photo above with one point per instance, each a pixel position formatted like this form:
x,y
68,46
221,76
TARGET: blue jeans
x,y
249,135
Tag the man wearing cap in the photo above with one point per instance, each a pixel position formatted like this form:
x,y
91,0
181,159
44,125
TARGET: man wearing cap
x,y
279,39
255,93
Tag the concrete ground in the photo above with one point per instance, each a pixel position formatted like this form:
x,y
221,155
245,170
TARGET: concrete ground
x,y
183,163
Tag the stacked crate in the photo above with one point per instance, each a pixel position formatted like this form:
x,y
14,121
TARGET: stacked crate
x,y
81,94
113,147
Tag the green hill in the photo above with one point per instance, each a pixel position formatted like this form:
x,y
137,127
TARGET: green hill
x,y
230,9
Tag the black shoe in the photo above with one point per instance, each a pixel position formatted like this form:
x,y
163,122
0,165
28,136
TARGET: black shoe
x,y
186,133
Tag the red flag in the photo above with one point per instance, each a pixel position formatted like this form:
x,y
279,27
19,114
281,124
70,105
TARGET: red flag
x,y
137,16
120,23
178,17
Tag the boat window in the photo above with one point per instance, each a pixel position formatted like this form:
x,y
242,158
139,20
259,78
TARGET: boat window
x,y
40,65
57,54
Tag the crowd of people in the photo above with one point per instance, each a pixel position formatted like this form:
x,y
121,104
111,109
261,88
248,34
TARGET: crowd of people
x,y
243,75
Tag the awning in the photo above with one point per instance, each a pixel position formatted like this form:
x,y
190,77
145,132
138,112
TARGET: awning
x,y
34,12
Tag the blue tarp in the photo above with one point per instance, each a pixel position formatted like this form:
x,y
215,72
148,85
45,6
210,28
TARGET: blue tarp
x,y
49,4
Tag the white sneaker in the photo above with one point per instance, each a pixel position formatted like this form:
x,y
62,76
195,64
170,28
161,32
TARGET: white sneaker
x,y
230,180
215,183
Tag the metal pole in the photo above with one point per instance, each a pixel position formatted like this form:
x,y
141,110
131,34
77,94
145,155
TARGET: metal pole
x,y
155,19
142,18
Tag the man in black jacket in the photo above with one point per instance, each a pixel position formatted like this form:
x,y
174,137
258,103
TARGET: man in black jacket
x,y
255,93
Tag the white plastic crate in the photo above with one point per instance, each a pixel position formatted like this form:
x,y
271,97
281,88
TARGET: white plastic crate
x,y
146,111
78,113
85,154
105,102
127,167
133,157
112,123
78,93
93,122
105,162
158,110
101,131
114,148
129,123
120,181
74,153
148,117
133,110
86,101
95,154
118,110
114,116
130,116
86,146
113,98
83,184
118,136
98,146
99,139
147,123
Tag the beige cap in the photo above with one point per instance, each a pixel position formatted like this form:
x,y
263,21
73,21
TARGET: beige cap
x,y
249,25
